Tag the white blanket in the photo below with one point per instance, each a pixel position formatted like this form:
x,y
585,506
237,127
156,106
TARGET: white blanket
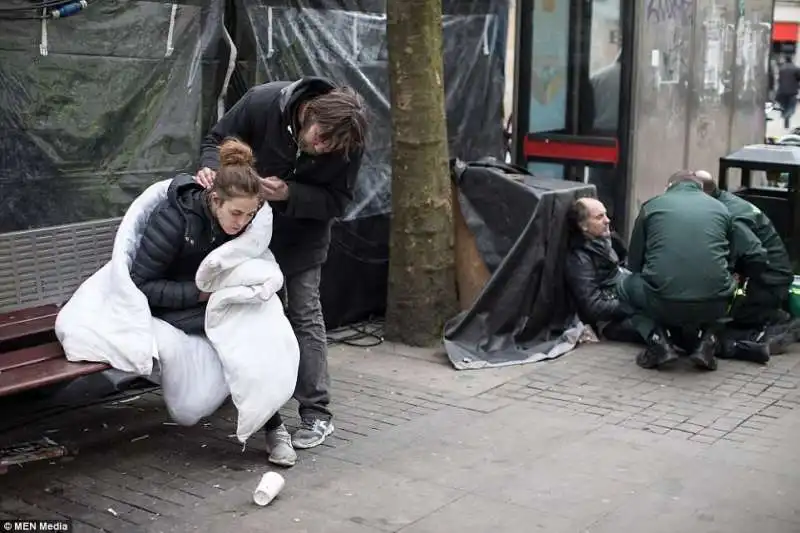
x,y
253,353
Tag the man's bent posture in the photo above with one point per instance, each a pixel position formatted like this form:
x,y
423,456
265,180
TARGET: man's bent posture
x,y
759,314
593,271
679,257
308,138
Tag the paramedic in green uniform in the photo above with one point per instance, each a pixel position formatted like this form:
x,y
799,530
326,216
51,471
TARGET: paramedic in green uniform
x,y
680,257
760,312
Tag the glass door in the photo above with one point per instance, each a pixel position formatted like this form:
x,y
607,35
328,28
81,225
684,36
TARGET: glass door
x,y
571,87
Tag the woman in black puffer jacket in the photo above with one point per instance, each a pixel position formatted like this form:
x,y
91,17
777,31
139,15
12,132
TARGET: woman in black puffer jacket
x,y
181,232
185,228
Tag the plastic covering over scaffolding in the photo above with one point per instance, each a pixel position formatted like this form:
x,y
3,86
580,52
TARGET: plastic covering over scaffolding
x,y
336,40
96,106
346,41
111,99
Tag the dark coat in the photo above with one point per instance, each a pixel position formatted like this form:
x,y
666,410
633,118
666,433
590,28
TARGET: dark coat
x,y
593,269
788,80
685,243
180,233
320,187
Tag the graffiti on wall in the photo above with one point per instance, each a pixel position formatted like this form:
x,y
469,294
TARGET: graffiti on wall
x,y
664,10
670,19
753,44
672,60
734,45
747,53
719,36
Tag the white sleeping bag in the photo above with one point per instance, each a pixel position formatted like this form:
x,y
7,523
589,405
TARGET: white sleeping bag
x,y
253,353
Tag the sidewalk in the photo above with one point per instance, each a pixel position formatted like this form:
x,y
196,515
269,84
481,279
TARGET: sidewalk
x,y
587,443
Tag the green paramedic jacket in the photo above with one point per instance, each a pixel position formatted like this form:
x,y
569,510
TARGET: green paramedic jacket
x,y
685,242
779,268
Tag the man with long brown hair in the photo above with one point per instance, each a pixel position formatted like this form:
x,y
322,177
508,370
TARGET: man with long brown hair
x,y
308,137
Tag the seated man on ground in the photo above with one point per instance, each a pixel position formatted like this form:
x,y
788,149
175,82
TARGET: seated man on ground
x,y
190,224
759,315
593,270
680,253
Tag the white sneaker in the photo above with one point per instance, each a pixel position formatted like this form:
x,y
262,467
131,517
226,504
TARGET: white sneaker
x,y
279,447
312,432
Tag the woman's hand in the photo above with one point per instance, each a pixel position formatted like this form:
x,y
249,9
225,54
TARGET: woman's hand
x,y
204,296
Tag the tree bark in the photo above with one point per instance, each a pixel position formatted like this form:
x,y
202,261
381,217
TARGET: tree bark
x,y
422,291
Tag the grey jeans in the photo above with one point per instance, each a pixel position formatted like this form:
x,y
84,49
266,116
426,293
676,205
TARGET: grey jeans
x,y
305,313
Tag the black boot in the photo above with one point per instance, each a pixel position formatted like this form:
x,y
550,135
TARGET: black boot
x,y
780,336
658,352
705,355
755,352
779,343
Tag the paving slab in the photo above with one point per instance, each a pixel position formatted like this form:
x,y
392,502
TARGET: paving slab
x,y
655,512
485,449
427,368
480,514
748,489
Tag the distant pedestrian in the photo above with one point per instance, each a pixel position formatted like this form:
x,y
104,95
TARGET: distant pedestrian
x,y
788,85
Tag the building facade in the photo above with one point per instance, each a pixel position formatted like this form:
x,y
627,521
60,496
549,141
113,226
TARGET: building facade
x,y
785,27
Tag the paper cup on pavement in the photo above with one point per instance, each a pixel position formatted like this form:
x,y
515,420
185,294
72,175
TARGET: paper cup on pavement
x,y
270,486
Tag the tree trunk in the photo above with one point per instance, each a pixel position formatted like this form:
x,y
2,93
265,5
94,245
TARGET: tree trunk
x,y
422,291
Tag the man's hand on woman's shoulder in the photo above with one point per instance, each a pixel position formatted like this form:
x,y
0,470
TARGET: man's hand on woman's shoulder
x,y
205,177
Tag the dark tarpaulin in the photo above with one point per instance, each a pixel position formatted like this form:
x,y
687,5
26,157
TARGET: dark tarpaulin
x,y
101,105
345,40
524,313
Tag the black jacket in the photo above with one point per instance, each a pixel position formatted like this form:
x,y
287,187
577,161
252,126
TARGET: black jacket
x,y
180,233
788,80
593,269
320,187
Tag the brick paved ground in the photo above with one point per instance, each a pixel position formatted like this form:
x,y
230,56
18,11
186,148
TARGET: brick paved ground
x,y
589,442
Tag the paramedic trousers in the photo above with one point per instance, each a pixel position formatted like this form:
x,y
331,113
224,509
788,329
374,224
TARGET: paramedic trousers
x,y
653,312
305,314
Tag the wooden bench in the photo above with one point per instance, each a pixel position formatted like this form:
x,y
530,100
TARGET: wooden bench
x,y
30,355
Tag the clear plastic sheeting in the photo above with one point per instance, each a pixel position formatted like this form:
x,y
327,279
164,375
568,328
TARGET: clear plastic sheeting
x,y
346,41
99,105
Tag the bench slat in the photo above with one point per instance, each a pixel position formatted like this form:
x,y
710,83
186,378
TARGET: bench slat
x,y
44,373
26,314
36,366
30,356
30,325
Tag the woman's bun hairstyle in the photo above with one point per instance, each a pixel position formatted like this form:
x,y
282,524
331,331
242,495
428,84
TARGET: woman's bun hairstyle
x,y
235,153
